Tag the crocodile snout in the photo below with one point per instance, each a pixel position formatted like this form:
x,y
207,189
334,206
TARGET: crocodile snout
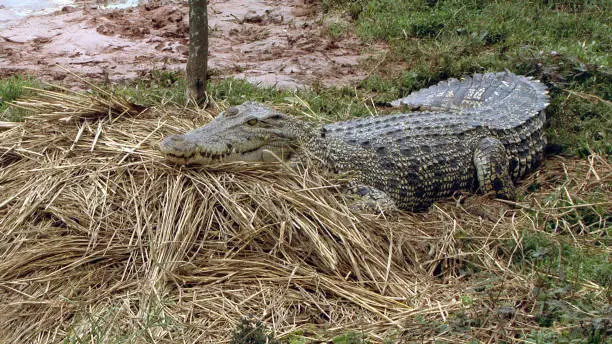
x,y
175,144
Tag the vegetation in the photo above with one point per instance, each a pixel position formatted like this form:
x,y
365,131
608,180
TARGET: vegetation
x,y
252,332
12,88
543,277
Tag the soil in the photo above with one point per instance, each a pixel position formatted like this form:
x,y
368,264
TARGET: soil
x,y
267,42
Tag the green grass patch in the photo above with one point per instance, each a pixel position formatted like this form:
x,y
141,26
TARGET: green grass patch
x,y
337,30
567,260
112,325
327,104
252,332
12,88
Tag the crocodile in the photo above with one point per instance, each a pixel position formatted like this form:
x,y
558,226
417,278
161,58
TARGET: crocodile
x,y
481,133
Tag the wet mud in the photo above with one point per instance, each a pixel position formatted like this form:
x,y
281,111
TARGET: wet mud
x,y
273,43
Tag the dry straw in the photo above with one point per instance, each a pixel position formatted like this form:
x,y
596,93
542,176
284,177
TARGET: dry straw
x,y
102,240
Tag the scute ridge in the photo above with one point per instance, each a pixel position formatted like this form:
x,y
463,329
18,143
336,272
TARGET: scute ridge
x,y
500,100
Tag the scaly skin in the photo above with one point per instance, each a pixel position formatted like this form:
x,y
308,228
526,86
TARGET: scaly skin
x,y
477,134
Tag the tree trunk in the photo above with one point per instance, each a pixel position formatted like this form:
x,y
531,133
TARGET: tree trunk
x,y
198,50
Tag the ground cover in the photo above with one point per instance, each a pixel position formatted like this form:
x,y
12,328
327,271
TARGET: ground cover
x,y
101,234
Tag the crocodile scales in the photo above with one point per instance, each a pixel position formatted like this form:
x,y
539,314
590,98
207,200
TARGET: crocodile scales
x,y
479,133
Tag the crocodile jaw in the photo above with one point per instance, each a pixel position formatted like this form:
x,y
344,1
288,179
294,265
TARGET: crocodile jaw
x,y
180,150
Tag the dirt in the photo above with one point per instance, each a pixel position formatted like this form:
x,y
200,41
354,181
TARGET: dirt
x,y
267,42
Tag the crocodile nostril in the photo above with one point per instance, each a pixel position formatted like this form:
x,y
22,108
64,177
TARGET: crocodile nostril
x,y
178,138
229,146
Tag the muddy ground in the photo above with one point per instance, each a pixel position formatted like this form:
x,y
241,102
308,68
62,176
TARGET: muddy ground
x,y
268,42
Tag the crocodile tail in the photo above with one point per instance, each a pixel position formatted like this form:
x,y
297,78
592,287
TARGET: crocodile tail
x,y
494,100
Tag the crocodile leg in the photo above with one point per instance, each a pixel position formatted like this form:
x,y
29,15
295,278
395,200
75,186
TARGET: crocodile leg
x,y
492,168
369,199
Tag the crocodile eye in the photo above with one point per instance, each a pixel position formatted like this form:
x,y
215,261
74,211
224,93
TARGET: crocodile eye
x,y
252,121
233,111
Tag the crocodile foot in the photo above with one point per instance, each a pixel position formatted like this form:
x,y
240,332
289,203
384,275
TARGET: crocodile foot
x,y
369,199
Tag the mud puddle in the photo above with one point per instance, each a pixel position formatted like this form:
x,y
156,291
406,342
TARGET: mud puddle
x,y
13,10
267,42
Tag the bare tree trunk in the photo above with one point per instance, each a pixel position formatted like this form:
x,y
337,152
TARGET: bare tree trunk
x,y
198,50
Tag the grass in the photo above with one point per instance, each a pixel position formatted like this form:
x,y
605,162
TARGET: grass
x,y
541,275
252,331
327,104
103,327
12,88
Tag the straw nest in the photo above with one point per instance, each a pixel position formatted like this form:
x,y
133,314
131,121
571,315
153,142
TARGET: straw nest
x,y
102,240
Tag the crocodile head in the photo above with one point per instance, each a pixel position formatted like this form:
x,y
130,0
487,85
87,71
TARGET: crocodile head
x,y
247,132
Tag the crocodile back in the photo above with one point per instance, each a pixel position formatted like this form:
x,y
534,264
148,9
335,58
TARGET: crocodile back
x,y
415,158
421,156
389,128
503,105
